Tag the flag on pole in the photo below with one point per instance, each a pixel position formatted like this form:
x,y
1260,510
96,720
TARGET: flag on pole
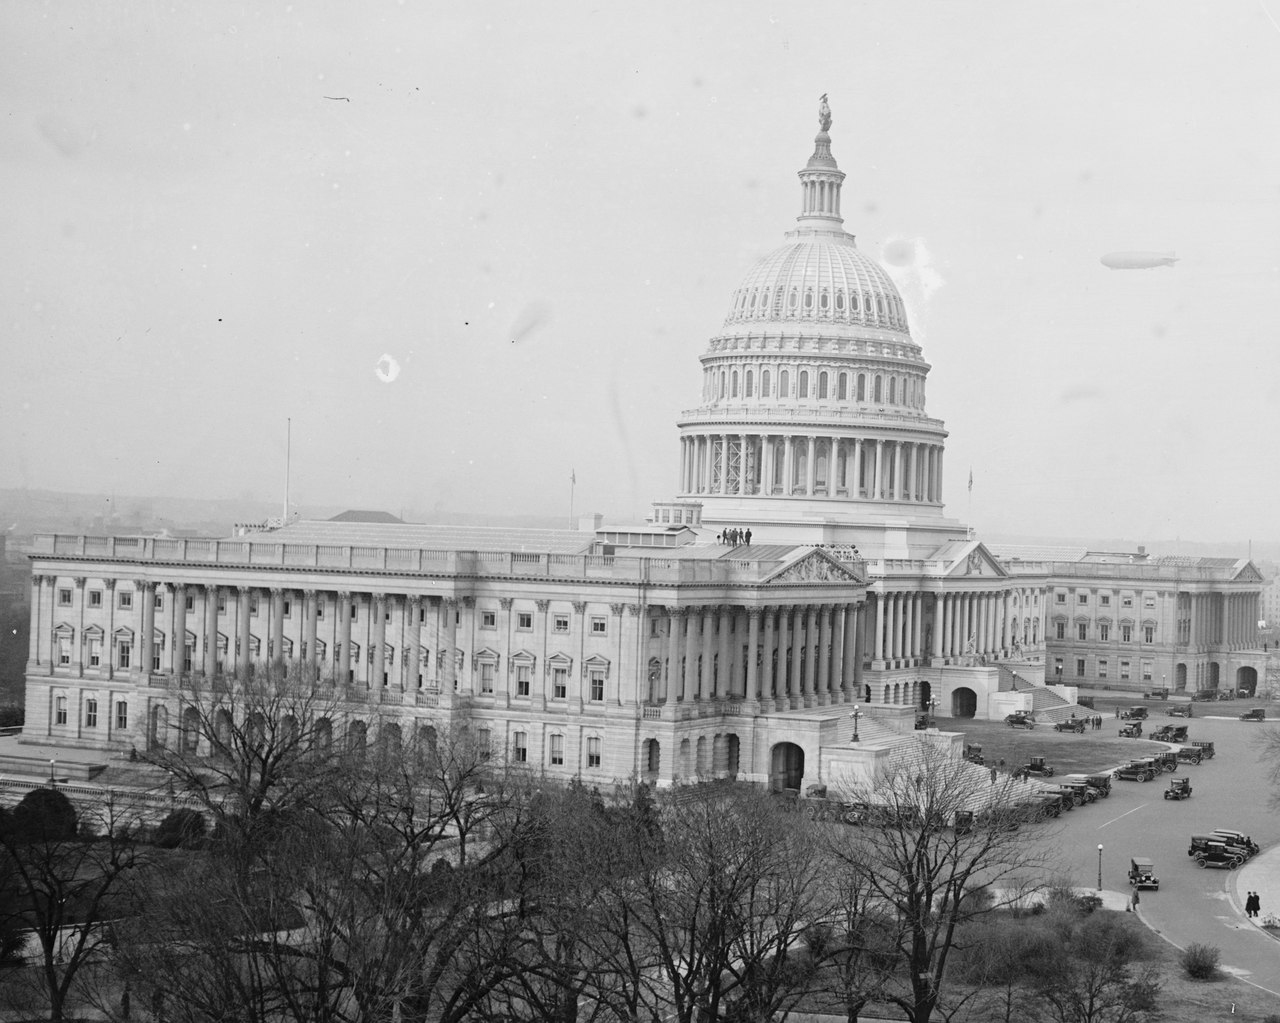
x,y
971,480
573,478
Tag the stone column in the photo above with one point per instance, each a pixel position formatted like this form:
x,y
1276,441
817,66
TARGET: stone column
x,y
146,592
244,654
177,628
877,648
724,463
675,623
810,663
706,683
691,640
939,612
210,631
343,612
917,636
743,443
840,622
798,641
447,657
378,639
724,663
855,484
824,655
859,639
413,643
782,681
633,660
753,647
766,655
811,467
910,626
310,656
109,641
35,646
766,464
788,464
277,630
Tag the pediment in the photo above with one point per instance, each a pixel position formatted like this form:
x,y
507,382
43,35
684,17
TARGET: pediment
x,y
1248,574
815,567
975,561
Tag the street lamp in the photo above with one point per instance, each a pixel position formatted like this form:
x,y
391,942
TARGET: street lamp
x,y
53,763
855,715
1099,866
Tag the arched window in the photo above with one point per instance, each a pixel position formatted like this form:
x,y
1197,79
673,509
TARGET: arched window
x,y
839,301
722,382
862,387
784,384
791,301
824,301
853,301
753,300
842,386
747,387
764,301
764,383
893,390
879,307
733,384
876,395
822,384
804,384
808,300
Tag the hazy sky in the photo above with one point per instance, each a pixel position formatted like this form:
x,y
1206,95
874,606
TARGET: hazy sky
x,y
220,215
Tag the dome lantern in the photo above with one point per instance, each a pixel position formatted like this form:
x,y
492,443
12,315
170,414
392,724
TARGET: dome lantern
x,y
821,179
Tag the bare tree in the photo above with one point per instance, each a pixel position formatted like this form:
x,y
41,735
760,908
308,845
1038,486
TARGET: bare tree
x,y
930,876
66,882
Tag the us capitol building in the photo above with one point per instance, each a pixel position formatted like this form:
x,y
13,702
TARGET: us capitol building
x,y
653,651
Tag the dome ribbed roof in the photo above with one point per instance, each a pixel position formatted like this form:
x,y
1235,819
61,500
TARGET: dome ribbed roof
x,y
818,277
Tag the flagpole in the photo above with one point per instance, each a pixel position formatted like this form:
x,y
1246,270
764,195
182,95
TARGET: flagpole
x,y
968,515
573,481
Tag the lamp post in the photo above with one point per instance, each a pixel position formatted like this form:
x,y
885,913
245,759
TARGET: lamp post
x,y
933,711
1099,866
855,715
53,764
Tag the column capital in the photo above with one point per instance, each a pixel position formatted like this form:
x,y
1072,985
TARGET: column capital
x,y
176,588
309,594
277,591
755,613
344,594
542,605
506,602
468,602
79,581
580,607
674,611
110,584
139,584
634,610
617,609
415,601
449,603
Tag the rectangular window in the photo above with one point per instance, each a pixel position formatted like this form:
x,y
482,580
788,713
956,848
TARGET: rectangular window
x,y
561,623
1124,669
1148,634
155,656
188,652
422,614
653,626
91,713
253,607
64,598
1057,666
1104,632
1082,631
288,608
122,714
519,747
483,740
1149,603
60,711
1126,634
355,609
488,620
1062,598
1126,602
158,602
1060,629
559,683
597,686
191,603
126,600
1102,669
1079,667
599,626
557,750
1082,598
95,598
64,649
95,653
486,677
593,752
1146,671
523,673
1105,600
126,654
222,604
524,620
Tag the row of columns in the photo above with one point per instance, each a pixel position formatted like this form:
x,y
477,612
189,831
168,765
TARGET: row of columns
x,y
911,626
748,464
795,655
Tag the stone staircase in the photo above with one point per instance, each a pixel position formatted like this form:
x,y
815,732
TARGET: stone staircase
x,y
1046,705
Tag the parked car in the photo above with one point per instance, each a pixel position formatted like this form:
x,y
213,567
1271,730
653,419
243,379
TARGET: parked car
x,y
1254,714
1204,843
1020,719
1131,731
1179,788
1189,755
1142,873
1136,770
1134,714
1215,854
1070,725
1082,792
1236,838
1038,767
1180,710
1156,694
973,753
1170,733
1166,761
1205,746
1100,783
1204,695
1226,694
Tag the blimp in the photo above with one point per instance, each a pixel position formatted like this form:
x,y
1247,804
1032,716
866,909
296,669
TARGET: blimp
x,y
1138,260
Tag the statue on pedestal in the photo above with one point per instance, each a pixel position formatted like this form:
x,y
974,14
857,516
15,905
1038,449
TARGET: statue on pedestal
x,y
824,114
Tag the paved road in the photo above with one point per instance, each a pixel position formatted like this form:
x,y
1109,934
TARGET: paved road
x,y
1193,904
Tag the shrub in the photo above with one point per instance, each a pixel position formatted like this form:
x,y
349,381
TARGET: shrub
x,y
1201,961
181,828
44,815
12,717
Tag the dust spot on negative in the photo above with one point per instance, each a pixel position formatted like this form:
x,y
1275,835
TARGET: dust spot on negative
x,y
900,252
386,369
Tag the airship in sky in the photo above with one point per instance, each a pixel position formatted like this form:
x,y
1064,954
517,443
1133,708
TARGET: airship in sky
x,y
1138,260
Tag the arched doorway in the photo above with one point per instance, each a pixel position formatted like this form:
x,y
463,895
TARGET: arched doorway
x,y
1215,678
964,703
1180,678
926,694
1247,681
190,738
157,727
786,768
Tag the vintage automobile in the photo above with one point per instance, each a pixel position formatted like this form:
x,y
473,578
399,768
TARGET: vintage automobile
x,y
1170,733
1204,695
973,753
1202,843
1180,710
1226,694
1038,767
1205,746
1136,770
1156,694
1236,838
1020,719
1166,761
1070,725
1101,782
1254,714
1189,755
1215,854
1134,714
1142,873
1131,731
1179,788
1081,791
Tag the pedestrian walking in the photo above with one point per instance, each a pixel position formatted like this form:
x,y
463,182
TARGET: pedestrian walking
x,y
1132,907
748,536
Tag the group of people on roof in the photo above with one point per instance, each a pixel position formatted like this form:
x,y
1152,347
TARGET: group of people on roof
x,y
734,536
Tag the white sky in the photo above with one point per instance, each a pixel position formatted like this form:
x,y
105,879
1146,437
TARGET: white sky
x,y
198,244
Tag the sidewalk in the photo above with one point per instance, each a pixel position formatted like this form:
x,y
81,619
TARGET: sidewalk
x,y
1262,875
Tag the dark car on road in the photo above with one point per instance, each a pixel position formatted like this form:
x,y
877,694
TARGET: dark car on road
x,y
1134,714
1254,714
1136,770
1100,783
1203,844
1215,854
